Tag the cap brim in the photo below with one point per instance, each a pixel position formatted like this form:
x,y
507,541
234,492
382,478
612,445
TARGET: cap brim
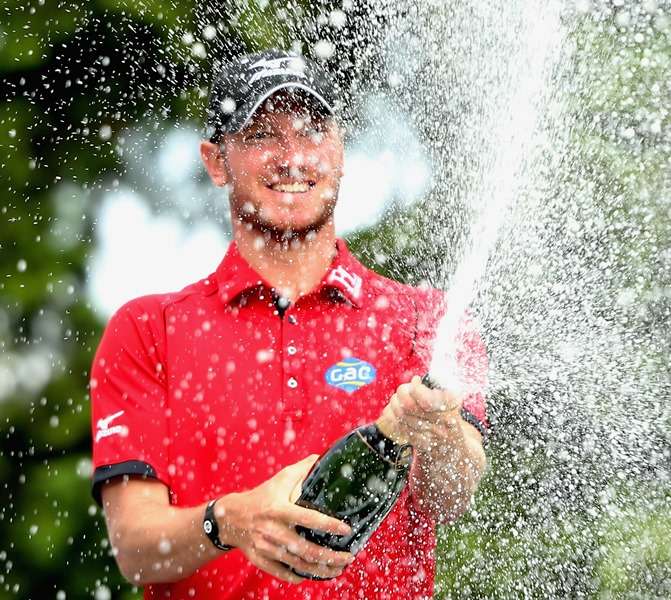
x,y
245,112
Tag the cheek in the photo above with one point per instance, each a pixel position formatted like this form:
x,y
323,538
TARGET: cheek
x,y
245,167
327,163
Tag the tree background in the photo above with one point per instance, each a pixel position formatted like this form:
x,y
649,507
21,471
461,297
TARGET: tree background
x,y
69,91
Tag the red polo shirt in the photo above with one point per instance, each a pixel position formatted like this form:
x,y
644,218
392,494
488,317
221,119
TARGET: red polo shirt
x,y
211,391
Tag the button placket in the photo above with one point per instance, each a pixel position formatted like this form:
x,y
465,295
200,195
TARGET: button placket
x,y
292,368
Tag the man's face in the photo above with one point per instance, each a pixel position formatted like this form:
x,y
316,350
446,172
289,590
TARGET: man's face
x,y
284,168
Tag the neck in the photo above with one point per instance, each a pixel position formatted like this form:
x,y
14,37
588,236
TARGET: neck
x,y
292,267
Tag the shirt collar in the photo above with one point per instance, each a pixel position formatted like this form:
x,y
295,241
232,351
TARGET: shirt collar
x,y
345,275
235,275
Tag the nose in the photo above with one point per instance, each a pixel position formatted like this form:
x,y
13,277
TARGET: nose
x,y
290,156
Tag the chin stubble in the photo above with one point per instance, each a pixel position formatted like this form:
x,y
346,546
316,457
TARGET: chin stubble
x,y
248,215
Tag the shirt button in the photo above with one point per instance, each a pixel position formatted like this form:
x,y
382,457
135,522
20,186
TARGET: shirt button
x,y
292,383
291,350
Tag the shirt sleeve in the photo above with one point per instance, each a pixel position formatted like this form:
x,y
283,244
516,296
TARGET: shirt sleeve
x,y
128,396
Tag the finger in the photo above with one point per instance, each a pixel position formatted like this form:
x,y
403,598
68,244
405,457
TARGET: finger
x,y
295,474
276,569
318,569
421,424
314,553
309,551
407,402
434,400
281,554
299,470
293,515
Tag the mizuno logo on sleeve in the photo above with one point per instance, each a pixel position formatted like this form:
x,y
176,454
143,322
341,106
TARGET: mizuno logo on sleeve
x,y
104,429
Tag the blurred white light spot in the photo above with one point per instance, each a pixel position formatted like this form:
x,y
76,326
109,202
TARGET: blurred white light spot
x,y
338,19
264,356
289,436
177,160
228,105
102,593
105,132
144,254
623,18
324,49
198,50
85,468
209,32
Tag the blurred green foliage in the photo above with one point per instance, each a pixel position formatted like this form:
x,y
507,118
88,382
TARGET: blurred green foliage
x,y
67,80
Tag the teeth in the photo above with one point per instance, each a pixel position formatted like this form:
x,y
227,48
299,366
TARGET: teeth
x,y
291,188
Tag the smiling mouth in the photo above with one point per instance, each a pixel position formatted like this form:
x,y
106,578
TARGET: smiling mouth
x,y
292,188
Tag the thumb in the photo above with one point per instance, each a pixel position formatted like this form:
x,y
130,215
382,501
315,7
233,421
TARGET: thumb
x,y
302,467
294,475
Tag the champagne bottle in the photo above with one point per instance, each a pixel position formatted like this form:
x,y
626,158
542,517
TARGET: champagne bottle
x,y
358,480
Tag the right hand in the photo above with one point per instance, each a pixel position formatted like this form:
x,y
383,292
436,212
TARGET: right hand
x,y
261,522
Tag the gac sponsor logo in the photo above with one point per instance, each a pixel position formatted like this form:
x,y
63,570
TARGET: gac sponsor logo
x,y
350,374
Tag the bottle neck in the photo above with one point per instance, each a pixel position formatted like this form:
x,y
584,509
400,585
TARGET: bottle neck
x,y
391,451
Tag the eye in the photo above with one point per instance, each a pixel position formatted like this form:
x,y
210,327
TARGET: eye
x,y
314,132
259,134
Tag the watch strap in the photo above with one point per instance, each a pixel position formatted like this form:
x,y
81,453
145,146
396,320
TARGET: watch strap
x,y
211,527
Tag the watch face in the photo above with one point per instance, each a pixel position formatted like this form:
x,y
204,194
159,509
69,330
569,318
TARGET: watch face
x,y
207,526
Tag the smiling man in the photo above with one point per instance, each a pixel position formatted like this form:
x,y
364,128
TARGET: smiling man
x,y
211,404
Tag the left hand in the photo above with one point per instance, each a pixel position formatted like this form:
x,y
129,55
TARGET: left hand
x,y
429,419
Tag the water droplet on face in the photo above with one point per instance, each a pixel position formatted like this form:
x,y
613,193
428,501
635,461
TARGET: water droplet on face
x,y
164,546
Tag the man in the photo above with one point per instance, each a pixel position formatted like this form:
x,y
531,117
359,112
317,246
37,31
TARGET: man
x,y
211,404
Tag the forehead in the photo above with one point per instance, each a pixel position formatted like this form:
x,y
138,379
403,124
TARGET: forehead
x,y
291,104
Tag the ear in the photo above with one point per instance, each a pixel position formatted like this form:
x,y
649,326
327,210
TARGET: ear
x,y
213,159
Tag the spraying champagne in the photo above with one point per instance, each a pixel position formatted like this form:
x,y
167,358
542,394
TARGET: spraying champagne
x,y
358,480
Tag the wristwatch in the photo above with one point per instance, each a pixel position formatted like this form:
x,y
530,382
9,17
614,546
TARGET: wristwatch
x,y
211,528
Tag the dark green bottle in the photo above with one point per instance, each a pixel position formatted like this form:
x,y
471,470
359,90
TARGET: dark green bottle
x,y
358,480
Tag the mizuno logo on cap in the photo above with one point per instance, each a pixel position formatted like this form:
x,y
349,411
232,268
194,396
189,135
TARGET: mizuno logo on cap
x,y
277,66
